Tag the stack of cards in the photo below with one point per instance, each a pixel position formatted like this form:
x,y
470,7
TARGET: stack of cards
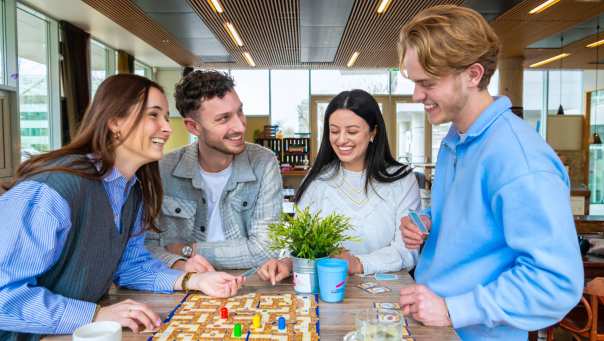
x,y
373,288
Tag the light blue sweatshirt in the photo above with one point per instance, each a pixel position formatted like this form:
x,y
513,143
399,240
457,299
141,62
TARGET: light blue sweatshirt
x,y
503,249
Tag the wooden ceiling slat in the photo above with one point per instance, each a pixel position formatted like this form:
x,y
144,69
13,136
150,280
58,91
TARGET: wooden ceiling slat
x,y
270,30
132,18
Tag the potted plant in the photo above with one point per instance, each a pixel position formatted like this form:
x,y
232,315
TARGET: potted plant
x,y
309,237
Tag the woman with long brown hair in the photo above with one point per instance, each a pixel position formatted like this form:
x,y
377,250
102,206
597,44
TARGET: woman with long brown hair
x,y
73,221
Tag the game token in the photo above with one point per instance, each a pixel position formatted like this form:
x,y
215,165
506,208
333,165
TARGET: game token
x,y
281,323
237,330
224,313
256,321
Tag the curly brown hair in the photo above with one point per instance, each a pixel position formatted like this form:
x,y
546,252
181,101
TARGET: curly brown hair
x,y
199,86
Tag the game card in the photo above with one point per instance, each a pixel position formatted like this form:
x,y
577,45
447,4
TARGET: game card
x,y
417,221
377,290
367,285
385,277
387,305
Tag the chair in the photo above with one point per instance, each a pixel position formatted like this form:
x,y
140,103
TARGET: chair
x,y
586,324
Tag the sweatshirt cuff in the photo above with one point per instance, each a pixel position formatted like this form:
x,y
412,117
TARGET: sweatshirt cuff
x,y
464,310
76,314
165,280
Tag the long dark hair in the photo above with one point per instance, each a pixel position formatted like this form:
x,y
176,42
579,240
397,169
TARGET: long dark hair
x,y
115,98
378,157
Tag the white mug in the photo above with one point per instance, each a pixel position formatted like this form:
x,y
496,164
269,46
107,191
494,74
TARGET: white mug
x,y
99,331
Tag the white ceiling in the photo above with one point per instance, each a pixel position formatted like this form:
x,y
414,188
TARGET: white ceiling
x,y
101,28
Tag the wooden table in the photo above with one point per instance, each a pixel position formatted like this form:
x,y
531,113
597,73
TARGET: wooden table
x,y
336,319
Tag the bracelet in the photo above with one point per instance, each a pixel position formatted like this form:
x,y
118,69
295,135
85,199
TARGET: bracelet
x,y
185,280
96,312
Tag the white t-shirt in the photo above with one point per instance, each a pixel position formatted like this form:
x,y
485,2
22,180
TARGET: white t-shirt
x,y
213,187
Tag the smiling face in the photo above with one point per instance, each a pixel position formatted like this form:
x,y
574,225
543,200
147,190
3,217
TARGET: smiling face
x,y
220,124
144,142
349,136
444,98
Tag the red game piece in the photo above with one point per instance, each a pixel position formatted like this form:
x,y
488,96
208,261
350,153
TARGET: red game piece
x,y
224,313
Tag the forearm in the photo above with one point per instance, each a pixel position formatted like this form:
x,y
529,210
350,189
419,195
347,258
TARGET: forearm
x,y
37,310
387,259
139,270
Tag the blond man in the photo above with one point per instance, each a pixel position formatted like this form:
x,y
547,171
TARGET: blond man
x,y
502,255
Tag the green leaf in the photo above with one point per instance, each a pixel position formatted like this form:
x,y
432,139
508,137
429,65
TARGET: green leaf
x,y
308,235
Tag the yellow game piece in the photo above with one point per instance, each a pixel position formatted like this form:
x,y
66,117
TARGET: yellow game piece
x,y
256,321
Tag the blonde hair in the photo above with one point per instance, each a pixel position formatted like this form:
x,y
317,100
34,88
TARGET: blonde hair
x,y
449,39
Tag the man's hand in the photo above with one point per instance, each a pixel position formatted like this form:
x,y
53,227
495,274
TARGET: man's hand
x,y
131,314
412,236
194,264
354,263
216,284
275,270
424,306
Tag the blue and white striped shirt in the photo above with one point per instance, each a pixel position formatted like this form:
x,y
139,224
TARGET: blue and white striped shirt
x,y
34,226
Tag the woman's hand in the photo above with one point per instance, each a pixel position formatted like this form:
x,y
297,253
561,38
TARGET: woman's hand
x,y
131,314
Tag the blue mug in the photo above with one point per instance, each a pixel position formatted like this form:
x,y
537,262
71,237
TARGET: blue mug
x,y
332,273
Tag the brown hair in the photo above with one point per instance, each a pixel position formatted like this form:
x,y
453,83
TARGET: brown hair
x,y
115,98
199,86
450,38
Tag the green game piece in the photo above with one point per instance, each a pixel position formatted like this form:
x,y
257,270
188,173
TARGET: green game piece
x,y
237,330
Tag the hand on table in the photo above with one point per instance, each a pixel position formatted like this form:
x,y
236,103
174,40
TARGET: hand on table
x,y
131,314
216,284
424,306
275,270
196,263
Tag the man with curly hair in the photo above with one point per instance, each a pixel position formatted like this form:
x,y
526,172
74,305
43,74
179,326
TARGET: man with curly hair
x,y
220,193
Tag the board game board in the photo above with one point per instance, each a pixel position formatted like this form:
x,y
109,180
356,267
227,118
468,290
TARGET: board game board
x,y
200,317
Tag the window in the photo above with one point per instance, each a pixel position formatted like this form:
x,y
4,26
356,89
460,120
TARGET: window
x,y
400,85
34,90
3,39
332,82
410,118
289,101
532,97
102,64
566,91
596,151
252,86
143,69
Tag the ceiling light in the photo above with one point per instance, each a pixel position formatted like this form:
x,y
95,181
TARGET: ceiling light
x,y
383,6
596,44
248,59
549,60
216,6
543,6
233,33
353,59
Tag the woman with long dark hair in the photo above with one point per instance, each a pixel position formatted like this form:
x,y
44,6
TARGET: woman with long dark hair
x,y
73,221
355,174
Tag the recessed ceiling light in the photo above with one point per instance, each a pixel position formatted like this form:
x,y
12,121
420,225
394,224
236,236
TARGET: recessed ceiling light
x,y
216,6
233,33
248,59
383,6
543,6
549,60
353,59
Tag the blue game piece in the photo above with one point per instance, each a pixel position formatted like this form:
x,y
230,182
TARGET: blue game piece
x,y
281,323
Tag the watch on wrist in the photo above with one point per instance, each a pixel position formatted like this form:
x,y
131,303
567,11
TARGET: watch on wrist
x,y
187,251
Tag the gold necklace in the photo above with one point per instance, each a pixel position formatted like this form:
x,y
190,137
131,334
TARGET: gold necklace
x,y
351,192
